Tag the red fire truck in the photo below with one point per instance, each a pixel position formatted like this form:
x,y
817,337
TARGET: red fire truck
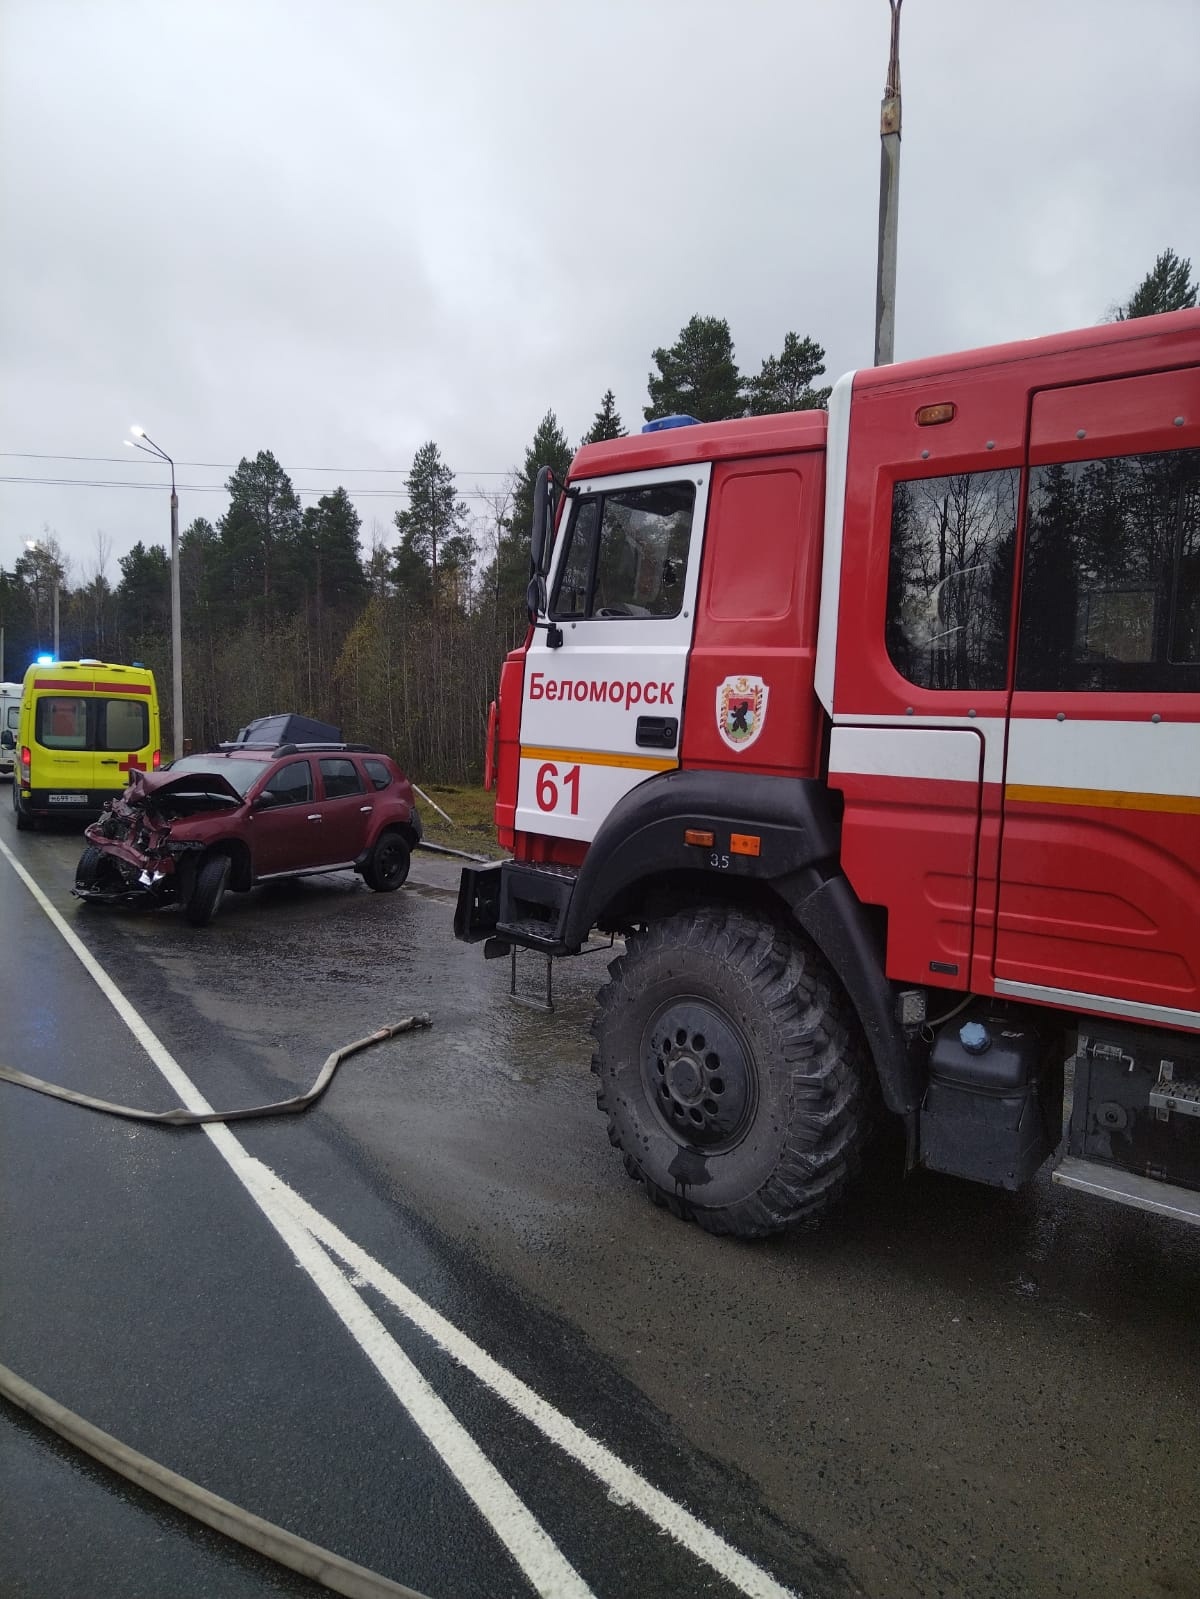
x,y
875,736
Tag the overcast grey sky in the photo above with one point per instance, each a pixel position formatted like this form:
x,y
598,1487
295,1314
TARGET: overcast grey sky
x,y
336,228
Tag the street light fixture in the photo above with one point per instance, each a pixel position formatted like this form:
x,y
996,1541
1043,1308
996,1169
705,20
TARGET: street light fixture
x,y
146,443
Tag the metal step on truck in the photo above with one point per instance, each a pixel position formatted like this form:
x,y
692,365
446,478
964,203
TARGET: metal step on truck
x,y
875,736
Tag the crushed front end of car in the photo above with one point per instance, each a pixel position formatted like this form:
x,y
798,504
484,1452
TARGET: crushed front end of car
x,y
133,853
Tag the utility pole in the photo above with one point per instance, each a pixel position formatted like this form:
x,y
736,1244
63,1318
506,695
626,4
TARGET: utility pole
x,y
889,200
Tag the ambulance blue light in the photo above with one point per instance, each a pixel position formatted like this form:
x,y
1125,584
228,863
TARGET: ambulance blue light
x,y
45,660
661,423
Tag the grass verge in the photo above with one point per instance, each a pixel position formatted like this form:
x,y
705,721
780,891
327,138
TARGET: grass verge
x,y
471,828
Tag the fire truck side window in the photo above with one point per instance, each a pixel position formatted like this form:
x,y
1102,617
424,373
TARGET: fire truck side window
x,y
627,554
950,578
575,574
1110,595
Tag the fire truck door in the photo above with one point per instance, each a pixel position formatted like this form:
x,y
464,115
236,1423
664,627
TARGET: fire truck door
x,y
921,691
1099,874
604,683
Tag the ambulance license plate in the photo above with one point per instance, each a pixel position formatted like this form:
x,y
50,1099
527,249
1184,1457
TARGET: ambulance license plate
x,y
67,799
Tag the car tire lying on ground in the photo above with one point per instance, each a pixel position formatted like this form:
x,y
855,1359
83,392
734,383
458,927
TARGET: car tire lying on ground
x,y
208,890
387,867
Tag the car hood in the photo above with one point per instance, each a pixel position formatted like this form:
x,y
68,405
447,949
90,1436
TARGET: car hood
x,y
180,792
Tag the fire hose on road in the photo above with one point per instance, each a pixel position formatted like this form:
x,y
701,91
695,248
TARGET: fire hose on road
x,y
194,1118
276,1543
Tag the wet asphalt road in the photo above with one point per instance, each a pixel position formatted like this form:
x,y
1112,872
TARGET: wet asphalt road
x,y
947,1392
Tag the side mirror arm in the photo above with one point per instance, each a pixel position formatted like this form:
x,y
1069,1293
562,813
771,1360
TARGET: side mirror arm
x,y
535,604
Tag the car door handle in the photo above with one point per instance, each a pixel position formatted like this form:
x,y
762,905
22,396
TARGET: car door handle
x,y
657,732
113,762
315,817
366,808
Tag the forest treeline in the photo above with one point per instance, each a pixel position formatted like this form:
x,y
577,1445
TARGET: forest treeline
x,y
398,643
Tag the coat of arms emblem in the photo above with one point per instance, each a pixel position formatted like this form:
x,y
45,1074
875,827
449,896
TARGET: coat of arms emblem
x,y
741,710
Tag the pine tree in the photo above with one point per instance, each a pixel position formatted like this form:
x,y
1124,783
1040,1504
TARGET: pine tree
x,y
329,542
1168,286
548,448
39,571
698,375
144,592
16,621
786,380
507,577
606,424
260,538
434,552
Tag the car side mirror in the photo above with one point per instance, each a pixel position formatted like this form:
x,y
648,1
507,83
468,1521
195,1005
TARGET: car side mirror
x,y
8,740
265,800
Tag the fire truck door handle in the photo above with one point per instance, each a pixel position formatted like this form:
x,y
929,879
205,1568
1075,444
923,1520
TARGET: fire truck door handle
x,y
657,732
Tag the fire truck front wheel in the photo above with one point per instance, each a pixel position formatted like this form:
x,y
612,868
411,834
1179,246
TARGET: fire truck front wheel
x,y
732,1071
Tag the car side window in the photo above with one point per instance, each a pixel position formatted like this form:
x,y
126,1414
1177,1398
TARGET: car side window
x,y
378,773
292,783
340,777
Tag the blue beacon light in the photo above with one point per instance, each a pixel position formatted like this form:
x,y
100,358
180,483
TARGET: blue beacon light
x,y
662,423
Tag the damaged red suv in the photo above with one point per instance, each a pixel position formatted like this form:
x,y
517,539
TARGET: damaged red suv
x,y
244,815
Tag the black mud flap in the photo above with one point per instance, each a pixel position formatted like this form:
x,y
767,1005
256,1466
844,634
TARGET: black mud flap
x,y
478,908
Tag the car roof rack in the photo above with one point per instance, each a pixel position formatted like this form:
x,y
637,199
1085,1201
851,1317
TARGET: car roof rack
x,y
271,748
301,749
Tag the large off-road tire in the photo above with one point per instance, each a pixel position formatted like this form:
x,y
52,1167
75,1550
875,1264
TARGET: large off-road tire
x,y
387,866
208,890
733,1072
25,822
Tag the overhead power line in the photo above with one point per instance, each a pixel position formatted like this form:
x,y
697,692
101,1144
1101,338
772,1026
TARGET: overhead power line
x,y
232,466
216,488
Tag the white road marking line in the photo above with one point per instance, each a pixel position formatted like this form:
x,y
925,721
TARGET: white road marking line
x,y
548,1570
625,1485
309,1234
528,1542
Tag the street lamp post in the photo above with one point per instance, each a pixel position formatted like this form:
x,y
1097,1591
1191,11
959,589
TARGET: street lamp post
x,y
142,441
889,200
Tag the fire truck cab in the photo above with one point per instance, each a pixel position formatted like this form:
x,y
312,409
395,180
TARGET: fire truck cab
x,y
875,735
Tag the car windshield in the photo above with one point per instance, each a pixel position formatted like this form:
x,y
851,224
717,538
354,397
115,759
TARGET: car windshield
x,y
239,774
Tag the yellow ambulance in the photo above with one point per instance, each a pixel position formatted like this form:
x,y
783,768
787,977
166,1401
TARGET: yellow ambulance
x,y
84,727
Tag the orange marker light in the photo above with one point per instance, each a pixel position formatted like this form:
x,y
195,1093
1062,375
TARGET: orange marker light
x,y
929,415
745,844
697,835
